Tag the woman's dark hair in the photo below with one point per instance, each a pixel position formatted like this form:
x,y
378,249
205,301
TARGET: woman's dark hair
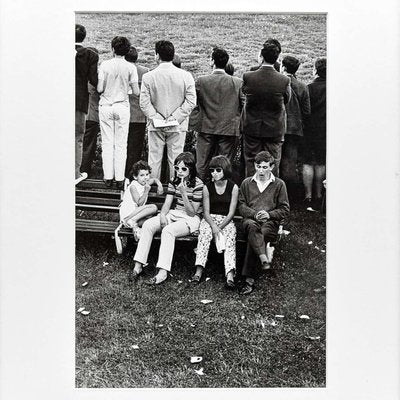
x,y
221,162
132,55
320,67
137,167
188,159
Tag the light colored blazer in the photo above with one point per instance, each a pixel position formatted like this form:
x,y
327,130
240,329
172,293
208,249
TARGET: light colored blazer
x,y
167,91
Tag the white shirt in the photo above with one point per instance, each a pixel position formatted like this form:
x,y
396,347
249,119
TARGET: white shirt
x,y
262,185
115,79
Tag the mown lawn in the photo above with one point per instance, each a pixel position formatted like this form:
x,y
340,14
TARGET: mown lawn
x,y
242,342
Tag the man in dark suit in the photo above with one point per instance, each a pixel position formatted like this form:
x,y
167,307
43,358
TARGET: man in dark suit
x,y
85,71
264,117
220,100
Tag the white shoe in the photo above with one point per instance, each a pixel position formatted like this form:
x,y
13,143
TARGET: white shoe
x,y
269,250
137,232
83,176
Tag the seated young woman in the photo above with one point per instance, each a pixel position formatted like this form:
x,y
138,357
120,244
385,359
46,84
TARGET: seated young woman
x,y
220,197
183,220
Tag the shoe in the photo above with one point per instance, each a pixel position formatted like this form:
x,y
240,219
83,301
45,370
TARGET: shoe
x,y
230,285
195,279
118,244
153,281
246,289
108,182
265,266
120,184
82,177
133,275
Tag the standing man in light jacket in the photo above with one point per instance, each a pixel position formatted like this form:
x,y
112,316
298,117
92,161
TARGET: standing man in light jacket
x,y
264,117
220,99
167,96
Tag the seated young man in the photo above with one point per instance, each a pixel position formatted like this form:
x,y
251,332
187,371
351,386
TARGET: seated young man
x,y
263,203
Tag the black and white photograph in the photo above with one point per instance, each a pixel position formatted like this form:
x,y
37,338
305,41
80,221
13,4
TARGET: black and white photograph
x,y
224,223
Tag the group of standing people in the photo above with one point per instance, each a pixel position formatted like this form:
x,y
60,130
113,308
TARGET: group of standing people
x,y
265,111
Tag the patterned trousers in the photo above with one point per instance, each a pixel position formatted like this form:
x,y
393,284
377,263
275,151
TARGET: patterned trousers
x,y
205,237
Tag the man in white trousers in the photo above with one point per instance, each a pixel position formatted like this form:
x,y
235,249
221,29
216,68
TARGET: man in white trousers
x,y
167,98
116,76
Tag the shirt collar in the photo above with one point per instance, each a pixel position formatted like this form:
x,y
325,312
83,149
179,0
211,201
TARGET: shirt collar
x,y
218,71
165,64
271,179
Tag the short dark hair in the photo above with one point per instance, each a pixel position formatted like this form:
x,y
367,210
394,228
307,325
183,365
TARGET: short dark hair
x,y
270,52
264,156
220,57
291,64
132,55
80,33
224,163
139,165
188,159
275,42
320,67
165,49
120,45
177,61
229,68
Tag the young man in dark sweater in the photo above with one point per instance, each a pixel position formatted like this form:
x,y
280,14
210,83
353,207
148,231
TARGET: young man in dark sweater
x,y
263,204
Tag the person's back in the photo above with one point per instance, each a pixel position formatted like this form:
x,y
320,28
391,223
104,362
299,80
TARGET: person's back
x,y
136,114
317,91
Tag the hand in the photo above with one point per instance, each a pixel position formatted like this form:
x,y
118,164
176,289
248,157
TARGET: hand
x,y
215,230
170,118
147,187
182,187
262,216
163,221
160,189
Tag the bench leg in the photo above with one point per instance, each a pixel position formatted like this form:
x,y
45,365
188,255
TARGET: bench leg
x,y
118,241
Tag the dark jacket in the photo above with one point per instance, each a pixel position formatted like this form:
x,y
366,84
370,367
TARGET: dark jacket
x,y
267,91
298,108
220,100
316,123
85,71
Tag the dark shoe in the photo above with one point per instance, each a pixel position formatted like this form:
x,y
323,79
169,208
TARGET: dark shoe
x,y
133,275
108,182
153,281
230,285
246,289
120,185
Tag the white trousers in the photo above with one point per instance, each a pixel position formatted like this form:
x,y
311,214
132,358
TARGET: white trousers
x,y
175,142
205,237
114,126
173,230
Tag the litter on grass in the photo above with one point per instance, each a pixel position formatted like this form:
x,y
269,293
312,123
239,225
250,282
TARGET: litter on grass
x,y
285,232
319,290
193,325
273,323
242,317
206,301
304,316
207,279
310,242
313,337
84,312
135,347
195,359
311,209
179,282
85,284
81,309
160,325
262,324
316,247
105,264
279,316
199,371
323,251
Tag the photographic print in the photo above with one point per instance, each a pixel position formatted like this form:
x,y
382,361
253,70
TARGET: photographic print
x,y
200,144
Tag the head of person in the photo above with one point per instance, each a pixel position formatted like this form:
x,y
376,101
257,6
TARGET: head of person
x,y
140,172
177,61
80,33
229,69
220,168
185,169
120,45
165,50
219,57
132,55
290,64
264,164
320,67
270,51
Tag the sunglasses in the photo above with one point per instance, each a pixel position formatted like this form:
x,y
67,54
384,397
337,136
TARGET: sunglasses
x,y
262,166
183,169
218,169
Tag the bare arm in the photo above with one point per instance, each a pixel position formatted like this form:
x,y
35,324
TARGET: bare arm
x,y
139,200
232,207
155,181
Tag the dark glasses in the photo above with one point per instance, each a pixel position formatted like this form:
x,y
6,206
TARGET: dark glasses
x,y
183,169
218,169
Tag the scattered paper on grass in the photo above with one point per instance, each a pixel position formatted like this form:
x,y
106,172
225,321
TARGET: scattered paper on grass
x,y
262,324
207,279
135,347
304,316
179,282
242,317
195,359
313,337
199,371
84,312
310,242
273,323
323,251
206,301
311,209
285,232
105,264
193,325
160,325
316,247
85,284
279,316
81,309
319,290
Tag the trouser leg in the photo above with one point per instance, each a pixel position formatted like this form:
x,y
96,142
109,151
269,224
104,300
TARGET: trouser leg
x,y
149,228
89,145
226,146
107,140
230,247
120,140
251,146
274,147
175,142
308,177
167,246
134,151
204,149
255,247
203,243
156,142
79,133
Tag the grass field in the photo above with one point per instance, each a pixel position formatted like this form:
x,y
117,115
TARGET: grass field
x,y
140,336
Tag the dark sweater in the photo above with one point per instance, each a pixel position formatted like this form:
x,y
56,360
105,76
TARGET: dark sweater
x,y
273,199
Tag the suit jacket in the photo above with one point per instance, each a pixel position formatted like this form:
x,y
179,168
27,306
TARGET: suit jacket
x,y
220,99
298,107
167,91
316,123
136,113
267,91
85,71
